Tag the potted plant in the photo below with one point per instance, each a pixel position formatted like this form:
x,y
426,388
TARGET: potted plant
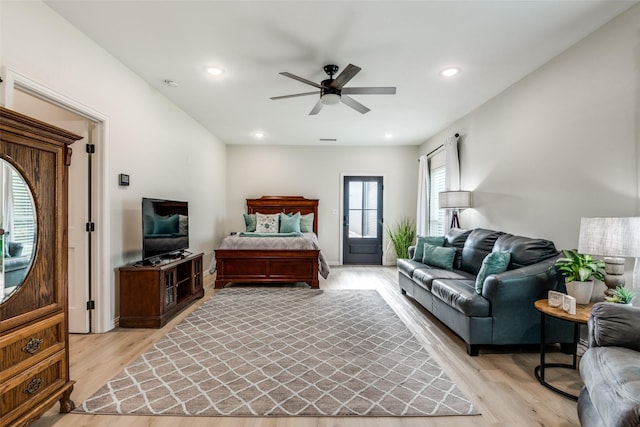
x,y
402,236
579,271
621,295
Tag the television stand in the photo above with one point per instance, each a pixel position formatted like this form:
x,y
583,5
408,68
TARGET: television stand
x,y
150,295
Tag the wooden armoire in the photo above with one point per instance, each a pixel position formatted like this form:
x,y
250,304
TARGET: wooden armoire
x,y
34,344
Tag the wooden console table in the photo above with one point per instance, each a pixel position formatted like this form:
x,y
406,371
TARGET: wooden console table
x,y
151,295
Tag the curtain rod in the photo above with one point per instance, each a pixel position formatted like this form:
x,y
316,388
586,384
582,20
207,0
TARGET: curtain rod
x,y
457,135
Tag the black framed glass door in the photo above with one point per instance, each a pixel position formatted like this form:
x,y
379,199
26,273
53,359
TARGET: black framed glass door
x,y
362,220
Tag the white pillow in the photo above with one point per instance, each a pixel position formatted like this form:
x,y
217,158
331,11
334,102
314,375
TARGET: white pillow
x,y
267,223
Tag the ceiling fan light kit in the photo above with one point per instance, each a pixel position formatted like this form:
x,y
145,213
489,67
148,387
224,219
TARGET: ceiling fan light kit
x,y
330,98
332,91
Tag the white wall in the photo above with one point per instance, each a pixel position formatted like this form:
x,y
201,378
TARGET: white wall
x,y
560,144
315,172
165,152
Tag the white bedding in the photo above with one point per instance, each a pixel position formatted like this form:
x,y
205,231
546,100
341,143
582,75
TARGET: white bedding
x,y
307,241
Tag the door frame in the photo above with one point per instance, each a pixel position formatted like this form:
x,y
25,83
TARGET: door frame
x,y
102,319
341,212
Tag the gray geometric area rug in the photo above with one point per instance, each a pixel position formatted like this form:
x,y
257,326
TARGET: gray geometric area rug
x,y
275,352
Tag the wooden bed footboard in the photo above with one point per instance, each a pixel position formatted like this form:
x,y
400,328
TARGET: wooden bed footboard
x,y
266,266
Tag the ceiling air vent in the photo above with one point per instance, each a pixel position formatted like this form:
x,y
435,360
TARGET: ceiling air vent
x,y
328,139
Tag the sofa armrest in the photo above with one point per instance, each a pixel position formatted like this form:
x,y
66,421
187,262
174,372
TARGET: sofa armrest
x,y
615,325
539,278
412,250
512,295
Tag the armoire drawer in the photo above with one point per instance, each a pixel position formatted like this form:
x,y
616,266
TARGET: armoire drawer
x,y
33,385
21,349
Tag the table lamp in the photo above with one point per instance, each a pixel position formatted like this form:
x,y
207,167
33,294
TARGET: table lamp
x,y
454,200
614,239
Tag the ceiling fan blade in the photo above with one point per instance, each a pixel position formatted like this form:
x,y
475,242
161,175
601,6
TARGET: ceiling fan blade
x,y
369,91
296,94
347,100
316,109
344,77
301,79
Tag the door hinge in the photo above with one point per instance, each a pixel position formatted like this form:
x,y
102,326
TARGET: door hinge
x,y
91,148
91,305
91,227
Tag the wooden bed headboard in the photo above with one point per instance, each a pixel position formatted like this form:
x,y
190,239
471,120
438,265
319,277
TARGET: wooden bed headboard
x,y
285,204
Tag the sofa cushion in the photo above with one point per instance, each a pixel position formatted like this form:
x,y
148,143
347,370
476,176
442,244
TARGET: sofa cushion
x,y
425,276
16,263
494,263
461,295
612,377
477,246
524,250
421,240
437,256
455,238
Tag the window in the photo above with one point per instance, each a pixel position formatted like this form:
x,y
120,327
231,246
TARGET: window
x,y
436,215
24,227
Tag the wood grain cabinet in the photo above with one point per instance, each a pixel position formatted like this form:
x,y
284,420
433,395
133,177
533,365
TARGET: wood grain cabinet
x,y
151,295
34,344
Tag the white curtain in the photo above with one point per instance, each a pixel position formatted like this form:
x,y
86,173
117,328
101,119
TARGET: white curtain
x,y
452,178
422,217
7,205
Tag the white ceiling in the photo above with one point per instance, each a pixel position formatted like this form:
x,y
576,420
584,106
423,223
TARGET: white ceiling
x,y
396,43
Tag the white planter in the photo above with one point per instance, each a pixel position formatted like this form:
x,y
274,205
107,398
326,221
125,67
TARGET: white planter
x,y
581,291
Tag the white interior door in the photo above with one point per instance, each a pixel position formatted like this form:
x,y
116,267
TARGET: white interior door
x,y
79,208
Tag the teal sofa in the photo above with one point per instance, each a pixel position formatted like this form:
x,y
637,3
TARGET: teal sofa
x,y
503,312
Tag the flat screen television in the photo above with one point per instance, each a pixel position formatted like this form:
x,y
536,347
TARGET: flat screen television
x,y
165,228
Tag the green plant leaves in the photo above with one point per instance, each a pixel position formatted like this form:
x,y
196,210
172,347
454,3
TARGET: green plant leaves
x,y
581,267
402,236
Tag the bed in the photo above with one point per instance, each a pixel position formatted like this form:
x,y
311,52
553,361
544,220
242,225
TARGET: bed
x,y
272,265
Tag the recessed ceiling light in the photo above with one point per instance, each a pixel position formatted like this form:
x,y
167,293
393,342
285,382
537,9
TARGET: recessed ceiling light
x,y
215,71
449,72
259,134
388,135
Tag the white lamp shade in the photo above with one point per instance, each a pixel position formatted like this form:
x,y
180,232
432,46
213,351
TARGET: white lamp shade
x,y
454,199
614,237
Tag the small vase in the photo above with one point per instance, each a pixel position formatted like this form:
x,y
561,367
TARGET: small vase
x,y
581,291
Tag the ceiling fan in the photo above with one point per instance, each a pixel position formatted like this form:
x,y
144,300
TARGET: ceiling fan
x,y
333,91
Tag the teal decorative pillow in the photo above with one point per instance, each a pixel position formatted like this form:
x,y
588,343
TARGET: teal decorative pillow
x,y
290,224
421,240
267,223
438,256
494,263
148,225
250,222
306,223
165,224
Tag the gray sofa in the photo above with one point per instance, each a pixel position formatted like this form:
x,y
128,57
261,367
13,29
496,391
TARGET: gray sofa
x,y
503,312
15,265
610,368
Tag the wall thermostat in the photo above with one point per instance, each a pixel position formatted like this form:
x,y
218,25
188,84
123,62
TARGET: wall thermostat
x,y
123,179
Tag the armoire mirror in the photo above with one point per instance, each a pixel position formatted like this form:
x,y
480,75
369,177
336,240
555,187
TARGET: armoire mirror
x,y
17,229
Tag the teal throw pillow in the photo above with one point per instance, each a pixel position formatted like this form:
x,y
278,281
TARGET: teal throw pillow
x,y
421,240
166,224
290,224
306,223
250,222
494,263
438,256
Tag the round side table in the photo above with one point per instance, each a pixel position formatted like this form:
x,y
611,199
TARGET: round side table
x,y
580,318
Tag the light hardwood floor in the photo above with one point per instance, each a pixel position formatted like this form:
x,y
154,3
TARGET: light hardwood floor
x,y
499,381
